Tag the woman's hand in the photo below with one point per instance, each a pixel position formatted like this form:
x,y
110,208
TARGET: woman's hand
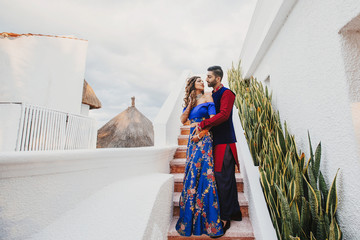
x,y
190,102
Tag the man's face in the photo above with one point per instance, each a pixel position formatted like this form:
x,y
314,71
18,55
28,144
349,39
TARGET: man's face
x,y
211,79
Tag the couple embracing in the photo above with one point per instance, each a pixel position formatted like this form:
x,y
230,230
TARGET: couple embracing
x,y
209,197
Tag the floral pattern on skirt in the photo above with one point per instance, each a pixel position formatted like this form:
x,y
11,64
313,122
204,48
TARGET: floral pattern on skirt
x,y
199,208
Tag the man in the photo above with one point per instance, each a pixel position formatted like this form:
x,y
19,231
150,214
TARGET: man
x,y
225,154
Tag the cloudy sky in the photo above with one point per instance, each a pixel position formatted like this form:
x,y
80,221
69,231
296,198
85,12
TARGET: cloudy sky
x,y
138,47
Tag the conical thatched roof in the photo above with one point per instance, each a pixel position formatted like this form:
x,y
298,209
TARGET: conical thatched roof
x,y
89,96
128,129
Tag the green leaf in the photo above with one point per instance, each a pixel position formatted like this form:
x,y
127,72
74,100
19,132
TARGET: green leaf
x,y
295,215
312,178
298,182
332,200
334,230
305,218
320,231
311,151
312,236
314,202
316,167
281,140
285,213
323,186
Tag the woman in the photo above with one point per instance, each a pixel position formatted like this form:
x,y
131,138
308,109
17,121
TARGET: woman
x,y
199,208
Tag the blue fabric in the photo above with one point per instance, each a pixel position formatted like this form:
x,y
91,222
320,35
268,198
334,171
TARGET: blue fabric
x,y
224,132
199,202
202,110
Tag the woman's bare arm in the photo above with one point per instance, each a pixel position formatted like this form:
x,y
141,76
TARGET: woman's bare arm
x,y
185,115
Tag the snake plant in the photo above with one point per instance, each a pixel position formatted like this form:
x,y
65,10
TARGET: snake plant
x,y
301,205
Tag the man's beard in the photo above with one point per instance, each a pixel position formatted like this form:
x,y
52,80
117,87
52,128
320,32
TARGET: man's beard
x,y
211,84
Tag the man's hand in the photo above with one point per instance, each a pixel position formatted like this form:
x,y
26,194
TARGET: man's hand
x,y
199,135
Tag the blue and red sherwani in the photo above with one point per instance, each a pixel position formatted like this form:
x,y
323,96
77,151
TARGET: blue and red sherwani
x,y
225,154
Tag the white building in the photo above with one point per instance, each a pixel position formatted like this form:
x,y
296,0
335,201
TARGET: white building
x,y
308,53
41,94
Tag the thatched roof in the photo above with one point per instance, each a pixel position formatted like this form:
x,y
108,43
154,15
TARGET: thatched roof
x,y
128,129
89,97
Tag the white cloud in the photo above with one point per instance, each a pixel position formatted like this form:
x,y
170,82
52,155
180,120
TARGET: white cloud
x,y
138,47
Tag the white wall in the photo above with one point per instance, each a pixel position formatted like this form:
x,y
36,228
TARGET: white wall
x,y
265,24
305,62
167,123
9,126
135,208
38,190
85,109
44,71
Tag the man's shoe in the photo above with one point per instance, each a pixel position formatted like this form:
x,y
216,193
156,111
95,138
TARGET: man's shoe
x,y
225,228
217,236
237,216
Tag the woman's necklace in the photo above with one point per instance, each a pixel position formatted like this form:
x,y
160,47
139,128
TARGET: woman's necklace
x,y
198,96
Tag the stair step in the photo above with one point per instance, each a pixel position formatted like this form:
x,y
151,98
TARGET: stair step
x,y
238,230
177,165
244,204
180,152
185,130
179,178
183,140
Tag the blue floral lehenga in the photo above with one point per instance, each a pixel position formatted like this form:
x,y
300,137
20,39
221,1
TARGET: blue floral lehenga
x,y
199,208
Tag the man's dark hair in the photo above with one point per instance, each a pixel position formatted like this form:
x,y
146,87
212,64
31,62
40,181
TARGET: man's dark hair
x,y
217,71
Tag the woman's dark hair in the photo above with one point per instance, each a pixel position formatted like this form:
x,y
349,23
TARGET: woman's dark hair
x,y
217,71
190,92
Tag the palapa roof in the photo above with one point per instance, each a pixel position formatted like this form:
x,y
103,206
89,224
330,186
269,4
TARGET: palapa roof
x,y
89,97
130,128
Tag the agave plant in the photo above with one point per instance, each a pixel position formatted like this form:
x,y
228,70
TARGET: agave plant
x,y
300,204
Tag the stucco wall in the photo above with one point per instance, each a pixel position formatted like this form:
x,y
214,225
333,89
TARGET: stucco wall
x,y
167,123
9,122
38,190
306,63
134,208
43,71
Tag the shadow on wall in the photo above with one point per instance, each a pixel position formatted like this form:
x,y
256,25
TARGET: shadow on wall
x,y
351,55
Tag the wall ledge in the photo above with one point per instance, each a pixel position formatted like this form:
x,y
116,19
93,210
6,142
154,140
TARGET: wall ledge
x,y
255,47
23,164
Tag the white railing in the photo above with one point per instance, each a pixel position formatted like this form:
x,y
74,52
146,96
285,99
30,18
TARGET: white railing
x,y
46,129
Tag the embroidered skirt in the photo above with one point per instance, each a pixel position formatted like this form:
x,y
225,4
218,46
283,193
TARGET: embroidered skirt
x,y
199,202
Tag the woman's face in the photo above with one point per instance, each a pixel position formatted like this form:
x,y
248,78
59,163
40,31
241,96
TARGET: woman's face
x,y
199,84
